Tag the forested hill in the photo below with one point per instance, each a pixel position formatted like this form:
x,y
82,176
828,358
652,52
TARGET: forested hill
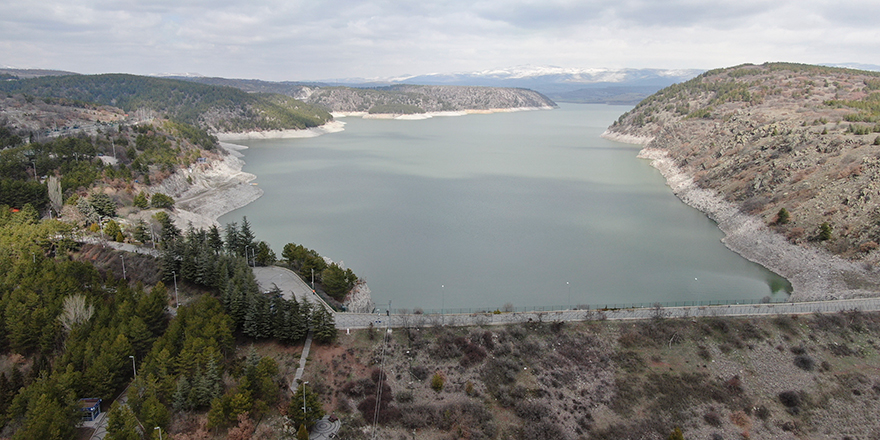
x,y
798,145
420,99
214,108
397,99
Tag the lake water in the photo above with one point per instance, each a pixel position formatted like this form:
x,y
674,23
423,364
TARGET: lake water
x,y
527,208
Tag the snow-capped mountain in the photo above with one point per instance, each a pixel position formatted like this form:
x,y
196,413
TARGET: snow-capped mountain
x,y
572,76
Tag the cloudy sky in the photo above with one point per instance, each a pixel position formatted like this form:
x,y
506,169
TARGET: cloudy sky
x,y
314,39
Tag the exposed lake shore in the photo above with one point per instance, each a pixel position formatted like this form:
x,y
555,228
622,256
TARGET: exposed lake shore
x,y
429,115
814,274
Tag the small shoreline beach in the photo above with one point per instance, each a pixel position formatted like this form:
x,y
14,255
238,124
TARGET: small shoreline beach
x,y
813,273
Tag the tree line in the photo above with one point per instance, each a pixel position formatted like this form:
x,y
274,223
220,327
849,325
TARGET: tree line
x,y
71,333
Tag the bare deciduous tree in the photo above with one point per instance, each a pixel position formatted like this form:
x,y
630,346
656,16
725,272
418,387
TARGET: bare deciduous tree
x,y
75,310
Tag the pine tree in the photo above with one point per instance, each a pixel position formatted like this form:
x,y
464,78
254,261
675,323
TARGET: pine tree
x,y
245,236
152,307
323,326
140,200
121,423
180,401
232,239
313,410
215,243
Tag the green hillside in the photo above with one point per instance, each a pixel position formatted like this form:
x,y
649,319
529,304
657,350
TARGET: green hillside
x,y
214,108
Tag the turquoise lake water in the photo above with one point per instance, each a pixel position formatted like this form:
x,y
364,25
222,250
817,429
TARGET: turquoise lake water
x,y
527,208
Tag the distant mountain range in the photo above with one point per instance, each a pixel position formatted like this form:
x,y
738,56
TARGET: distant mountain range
x,y
561,84
594,85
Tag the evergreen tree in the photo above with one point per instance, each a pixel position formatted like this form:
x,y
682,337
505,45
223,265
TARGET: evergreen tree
x,y
825,230
121,423
215,242
335,282
782,217
245,236
265,256
140,200
313,410
141,232
152,308
233,245
323,326
112,229
180,400
169,232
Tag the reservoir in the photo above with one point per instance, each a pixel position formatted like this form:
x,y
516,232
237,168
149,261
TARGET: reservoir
x,y
531,209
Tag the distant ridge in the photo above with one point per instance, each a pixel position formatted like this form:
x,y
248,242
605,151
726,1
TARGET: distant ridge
x,y
33,73
563,84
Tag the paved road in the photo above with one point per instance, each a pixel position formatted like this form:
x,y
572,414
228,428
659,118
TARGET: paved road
x,y
363,320
286,280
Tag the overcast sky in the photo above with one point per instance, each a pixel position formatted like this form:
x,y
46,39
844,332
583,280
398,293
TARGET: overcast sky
x,y
312,40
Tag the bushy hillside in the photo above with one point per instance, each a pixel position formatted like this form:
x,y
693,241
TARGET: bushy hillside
x,y
394,99
214,108
798,145
407,99
784,377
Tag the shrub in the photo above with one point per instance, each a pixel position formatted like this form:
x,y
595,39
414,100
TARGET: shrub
x,y
790,399
438,381
405,396
712,418
804,362
161,201
825,230
762,413
782,217
420,372
531,411
140,200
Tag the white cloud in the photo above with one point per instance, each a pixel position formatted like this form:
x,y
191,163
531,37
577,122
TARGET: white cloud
x,y
291,40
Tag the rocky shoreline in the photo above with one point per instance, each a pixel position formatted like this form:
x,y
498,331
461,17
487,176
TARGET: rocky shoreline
x,y
330,127
814,274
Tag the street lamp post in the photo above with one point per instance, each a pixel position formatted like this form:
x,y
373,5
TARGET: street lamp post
x,y
442,304
569,293
160,432
123,266
176,295
133,367
304,401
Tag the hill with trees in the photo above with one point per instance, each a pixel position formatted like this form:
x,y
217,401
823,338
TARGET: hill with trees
x,y
213,108
394,99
